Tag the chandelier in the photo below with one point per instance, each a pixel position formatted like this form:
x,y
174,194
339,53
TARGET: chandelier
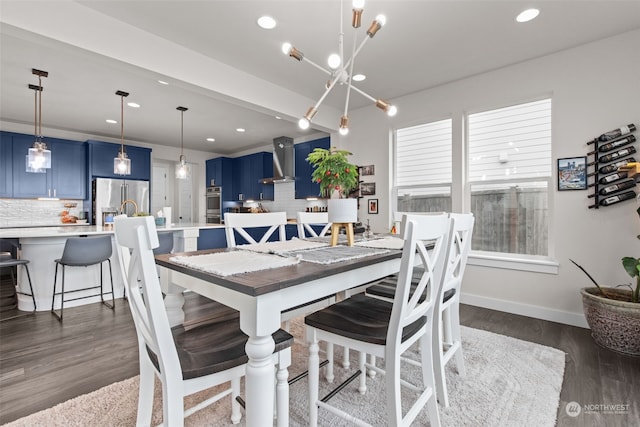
x,y
38,159
341,71
122,163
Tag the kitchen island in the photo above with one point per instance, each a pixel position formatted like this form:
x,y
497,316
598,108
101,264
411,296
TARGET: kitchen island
x,y
43,245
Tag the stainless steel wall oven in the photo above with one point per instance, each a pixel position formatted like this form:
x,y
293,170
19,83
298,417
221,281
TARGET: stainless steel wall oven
x,y
214,205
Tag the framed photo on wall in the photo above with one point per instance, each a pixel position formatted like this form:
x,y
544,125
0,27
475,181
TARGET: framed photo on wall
x,y
367,170
373,206
368,189
572,173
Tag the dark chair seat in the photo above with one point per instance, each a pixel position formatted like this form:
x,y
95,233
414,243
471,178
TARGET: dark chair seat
x,y
8,248
214,347
361,318
386,288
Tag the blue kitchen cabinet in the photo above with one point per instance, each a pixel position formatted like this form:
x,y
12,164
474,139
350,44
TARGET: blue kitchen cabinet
x,y
248,171
220,170
101,155
212,238
304,187
6,165
65,179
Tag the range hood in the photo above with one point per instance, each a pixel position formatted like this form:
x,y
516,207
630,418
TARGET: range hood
x,y
282,161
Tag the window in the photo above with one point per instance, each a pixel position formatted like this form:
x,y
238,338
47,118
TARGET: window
x,y
509,178
423,167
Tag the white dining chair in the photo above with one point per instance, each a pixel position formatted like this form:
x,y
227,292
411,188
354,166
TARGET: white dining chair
x,y
306,220
388,329
185,361
446,334
263,226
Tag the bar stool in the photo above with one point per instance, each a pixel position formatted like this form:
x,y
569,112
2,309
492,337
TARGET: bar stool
x,y
7,247
83,252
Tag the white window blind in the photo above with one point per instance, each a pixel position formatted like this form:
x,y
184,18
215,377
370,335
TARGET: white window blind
x,y
423,154
510,143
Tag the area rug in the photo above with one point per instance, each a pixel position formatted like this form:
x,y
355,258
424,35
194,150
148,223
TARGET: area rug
x,y
508,382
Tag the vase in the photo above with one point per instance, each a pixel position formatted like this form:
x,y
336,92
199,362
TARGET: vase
x,y
342,210
614,322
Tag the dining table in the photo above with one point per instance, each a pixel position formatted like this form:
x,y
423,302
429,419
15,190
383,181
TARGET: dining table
x,y
261,281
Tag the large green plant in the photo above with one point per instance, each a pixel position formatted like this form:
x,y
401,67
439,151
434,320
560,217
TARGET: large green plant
x,y
333,171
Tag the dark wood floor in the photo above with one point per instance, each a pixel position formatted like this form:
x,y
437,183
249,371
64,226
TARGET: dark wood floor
x,y
43,363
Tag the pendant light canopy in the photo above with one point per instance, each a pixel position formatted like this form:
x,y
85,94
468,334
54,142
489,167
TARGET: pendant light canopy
x,y
38,159
122,163
182,169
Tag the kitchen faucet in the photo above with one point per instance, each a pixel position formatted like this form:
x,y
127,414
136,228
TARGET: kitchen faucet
x,y
135,206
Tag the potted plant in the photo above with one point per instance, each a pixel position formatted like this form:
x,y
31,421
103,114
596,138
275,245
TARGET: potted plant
x,y
336,176
613,314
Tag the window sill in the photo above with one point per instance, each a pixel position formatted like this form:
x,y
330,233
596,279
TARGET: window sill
x,y
533,264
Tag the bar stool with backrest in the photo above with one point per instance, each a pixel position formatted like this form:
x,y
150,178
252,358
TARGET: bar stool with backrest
x,y
7,259
185,360
83,252
388,329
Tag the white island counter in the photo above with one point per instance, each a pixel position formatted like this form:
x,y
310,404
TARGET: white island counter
x,y
43,245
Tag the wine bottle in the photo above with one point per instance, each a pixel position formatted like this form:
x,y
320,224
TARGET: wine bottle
x,y
615,155
613,177
614,166
618,198
614,188
614,144
608,136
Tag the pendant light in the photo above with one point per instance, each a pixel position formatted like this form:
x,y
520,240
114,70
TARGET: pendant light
x,y
122,164
38,159
182,169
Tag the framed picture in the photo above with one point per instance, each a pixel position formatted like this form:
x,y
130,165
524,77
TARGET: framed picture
x,y
572,173
367,189
367,170
373,206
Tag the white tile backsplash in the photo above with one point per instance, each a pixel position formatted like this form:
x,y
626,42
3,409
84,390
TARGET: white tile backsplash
x,y
284,200
29,212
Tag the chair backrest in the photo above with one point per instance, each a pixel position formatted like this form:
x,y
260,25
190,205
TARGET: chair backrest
x,y
459,250
305,220
419,233
241,222
80,251
138,236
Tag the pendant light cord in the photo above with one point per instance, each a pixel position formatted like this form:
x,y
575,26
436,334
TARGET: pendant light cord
x,y
181,133
122,123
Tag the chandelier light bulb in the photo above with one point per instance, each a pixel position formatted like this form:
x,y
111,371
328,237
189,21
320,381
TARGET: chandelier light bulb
x,y
344,125
343,131
334,61
286,48
392,111
358,4
303,123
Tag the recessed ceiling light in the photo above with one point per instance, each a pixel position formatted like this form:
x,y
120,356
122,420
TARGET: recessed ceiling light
x,y
359,77
240,130
211,139
527,15
162,82
278,118
111,121
133,105
266,22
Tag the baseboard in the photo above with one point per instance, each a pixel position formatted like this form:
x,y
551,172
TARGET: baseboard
x,y
534,311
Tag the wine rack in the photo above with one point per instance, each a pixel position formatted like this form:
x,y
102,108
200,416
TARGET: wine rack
x,y
611,151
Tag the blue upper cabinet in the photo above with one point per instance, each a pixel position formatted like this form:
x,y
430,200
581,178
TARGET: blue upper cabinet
x,y
66,178
248,171
6,165
304,186
220,171
101,155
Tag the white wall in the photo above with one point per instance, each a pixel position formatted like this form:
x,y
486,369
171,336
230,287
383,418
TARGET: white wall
x,y
594,88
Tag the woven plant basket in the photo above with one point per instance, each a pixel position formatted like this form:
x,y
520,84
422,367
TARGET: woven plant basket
x,y
614,322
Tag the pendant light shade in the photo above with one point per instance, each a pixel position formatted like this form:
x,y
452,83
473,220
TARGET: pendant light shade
x,y
38,158
122,163
182,168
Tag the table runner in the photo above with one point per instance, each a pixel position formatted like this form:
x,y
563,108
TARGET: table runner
x,y
388,242
333,254
234,262
294,244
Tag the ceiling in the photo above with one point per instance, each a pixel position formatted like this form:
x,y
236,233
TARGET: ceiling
x,y
423,44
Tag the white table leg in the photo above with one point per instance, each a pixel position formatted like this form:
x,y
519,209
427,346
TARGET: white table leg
x,y
259,380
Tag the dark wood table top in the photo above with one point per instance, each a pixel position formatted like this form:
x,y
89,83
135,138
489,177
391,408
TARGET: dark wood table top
x,y
271,280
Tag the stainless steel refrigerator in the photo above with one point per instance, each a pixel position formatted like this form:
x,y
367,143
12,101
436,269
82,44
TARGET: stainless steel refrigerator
x,y
108,195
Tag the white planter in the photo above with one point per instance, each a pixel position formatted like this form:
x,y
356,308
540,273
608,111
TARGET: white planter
x,y
342,210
